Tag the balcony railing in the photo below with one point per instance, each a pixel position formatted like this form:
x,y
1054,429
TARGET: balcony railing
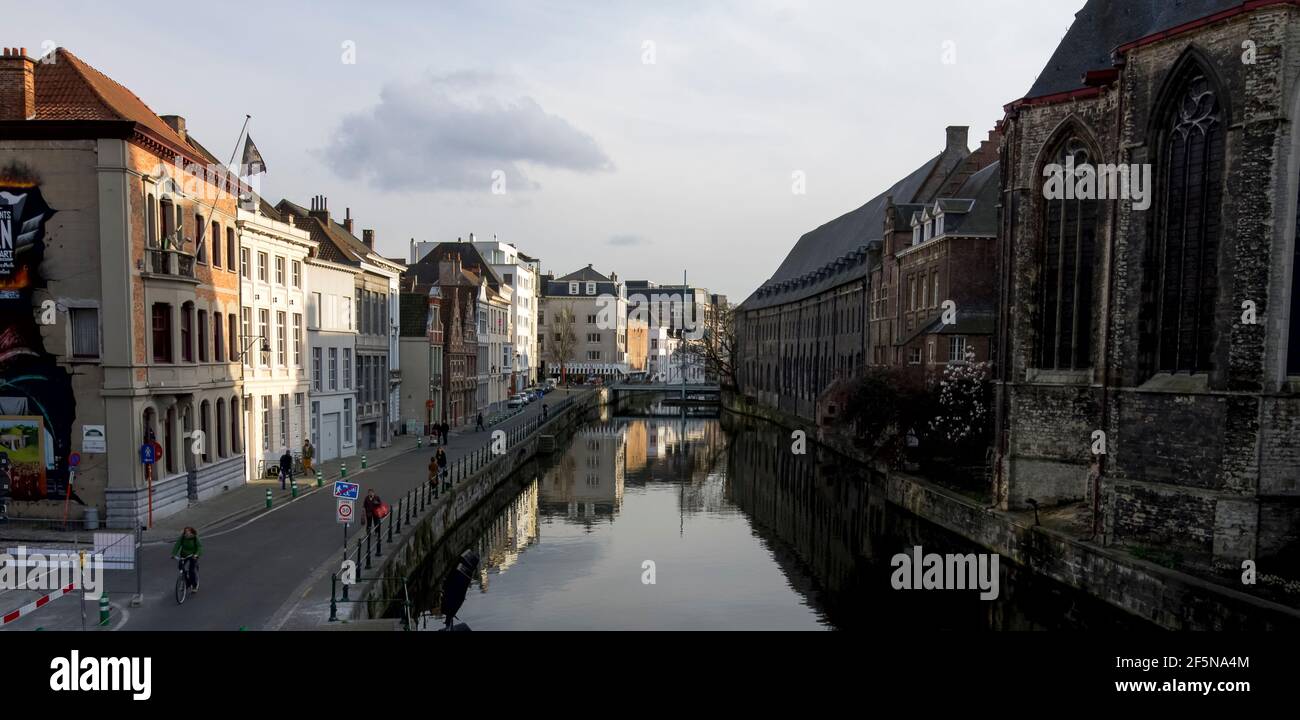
x,y
170,262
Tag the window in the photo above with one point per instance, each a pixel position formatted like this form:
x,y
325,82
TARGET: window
x,y
591,288
216,244
279,270
205,412
591,319
200,247
593,337
221,427
361,312
247,315
281,340
314,310
284,421
243,262
264,326
1069,244
347,367
234,340
938,226
347,314
230,251
573,288
916,235
266,422
914,356
261,266
234,422
297,339
935,277
956,349
315,369
85,332
510,279
219,337
347,421
203,336
315,424
334,368
593,354
187,332
297,274
1182,265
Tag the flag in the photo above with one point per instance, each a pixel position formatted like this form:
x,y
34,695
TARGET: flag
x,y
252,164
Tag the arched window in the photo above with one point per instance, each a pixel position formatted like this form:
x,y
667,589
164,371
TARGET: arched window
x,y
1182,262
1068,253
205,411
234,425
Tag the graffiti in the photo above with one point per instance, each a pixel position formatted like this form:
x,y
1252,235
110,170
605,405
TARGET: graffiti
x,y
36,403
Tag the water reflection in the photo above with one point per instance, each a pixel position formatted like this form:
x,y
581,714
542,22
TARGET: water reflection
x,y
742,534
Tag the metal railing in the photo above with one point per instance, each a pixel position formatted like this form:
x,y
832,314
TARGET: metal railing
x,y
409,508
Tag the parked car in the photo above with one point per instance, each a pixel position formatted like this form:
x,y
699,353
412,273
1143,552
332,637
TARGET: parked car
x,y
515,401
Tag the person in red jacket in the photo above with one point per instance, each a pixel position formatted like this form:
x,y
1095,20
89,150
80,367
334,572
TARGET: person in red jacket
x,y
371,505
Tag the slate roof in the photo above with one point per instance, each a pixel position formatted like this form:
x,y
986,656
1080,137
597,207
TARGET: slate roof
x,y
584,274
1104,25
835,253
981,215
331,239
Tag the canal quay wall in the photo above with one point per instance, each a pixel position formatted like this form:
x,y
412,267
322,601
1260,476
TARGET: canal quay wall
x,y
1171,599
385,582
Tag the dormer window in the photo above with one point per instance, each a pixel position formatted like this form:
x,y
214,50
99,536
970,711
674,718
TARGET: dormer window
x,y
916,235
573,288
929,228
591,288
938,226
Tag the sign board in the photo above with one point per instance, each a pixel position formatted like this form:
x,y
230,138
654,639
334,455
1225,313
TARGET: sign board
x,y
74,459
146,454
344,512
93,439
347,490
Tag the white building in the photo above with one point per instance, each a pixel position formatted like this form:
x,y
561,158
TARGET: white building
x,y
522,273
273,277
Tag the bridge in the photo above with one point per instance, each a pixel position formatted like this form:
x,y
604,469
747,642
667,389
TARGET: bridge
x,y
691,393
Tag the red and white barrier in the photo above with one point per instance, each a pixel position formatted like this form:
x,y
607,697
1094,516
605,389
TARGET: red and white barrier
x,y
37,604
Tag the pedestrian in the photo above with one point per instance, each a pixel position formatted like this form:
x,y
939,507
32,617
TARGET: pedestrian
x,y
433,473
371,506
308,453
434,430
478,424
445,432
286,468
441,458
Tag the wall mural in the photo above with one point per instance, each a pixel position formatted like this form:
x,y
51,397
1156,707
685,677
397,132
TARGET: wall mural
x,y
36,403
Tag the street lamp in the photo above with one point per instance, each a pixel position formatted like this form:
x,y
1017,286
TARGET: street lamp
x,y
266,350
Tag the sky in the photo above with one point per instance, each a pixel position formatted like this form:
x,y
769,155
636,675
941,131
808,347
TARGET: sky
x,y
644,138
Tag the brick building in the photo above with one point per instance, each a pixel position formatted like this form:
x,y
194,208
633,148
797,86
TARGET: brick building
x,y
120,318
806,327
932,254
1166,320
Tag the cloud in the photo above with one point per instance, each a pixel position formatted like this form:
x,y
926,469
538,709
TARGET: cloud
x,y
462,131
627,240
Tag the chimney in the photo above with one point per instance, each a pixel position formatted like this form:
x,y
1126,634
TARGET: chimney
x,y
17,85
368,237
175,122
320,208
347,220
414,259
958,139
449,269
471,237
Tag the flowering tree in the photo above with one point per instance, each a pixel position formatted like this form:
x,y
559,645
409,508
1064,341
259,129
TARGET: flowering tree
x,y
964,418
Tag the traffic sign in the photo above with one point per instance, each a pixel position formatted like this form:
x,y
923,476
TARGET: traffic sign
x,y
344,512
74,459
147,454
347,490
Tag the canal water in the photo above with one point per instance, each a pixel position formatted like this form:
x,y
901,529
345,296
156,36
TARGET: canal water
x,y
648,520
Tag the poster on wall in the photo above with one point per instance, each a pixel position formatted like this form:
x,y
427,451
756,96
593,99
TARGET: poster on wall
x,y
93,439
37,408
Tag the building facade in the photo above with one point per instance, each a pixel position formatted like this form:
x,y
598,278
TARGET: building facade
x,y
273,274
1148,345
599,307
121,318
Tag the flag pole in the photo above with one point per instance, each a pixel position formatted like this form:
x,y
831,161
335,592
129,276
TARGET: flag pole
x,y
213,206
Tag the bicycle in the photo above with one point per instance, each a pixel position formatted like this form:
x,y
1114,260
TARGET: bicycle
x,y
185,568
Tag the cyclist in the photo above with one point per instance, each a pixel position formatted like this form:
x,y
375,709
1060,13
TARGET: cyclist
x,y
187,549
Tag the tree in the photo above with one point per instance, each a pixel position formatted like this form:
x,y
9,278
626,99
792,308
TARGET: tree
x,y
964,420
564,341
715,346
